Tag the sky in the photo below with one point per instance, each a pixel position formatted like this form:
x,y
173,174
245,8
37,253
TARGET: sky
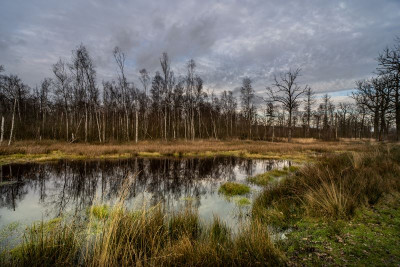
x,y
334,43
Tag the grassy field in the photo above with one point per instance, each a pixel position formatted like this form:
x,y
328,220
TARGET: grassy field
x,y
298,150
342,208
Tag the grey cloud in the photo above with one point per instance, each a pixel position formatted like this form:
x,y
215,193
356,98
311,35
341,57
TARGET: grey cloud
x,y
334,42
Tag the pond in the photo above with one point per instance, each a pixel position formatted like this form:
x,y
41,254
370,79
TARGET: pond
x,y
42,191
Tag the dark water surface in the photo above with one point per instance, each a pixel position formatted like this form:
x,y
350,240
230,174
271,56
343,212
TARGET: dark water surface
x,y
32,192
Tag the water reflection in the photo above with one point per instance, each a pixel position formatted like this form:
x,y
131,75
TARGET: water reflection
x,y
32,192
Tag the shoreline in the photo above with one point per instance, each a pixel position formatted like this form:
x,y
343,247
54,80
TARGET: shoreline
x,y
301,150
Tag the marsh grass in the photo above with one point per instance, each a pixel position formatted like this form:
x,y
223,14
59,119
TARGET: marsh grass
x,y
334,187
234,189
116,236
264,179
260,179
334,208
149,238
99,211
299,149
242,201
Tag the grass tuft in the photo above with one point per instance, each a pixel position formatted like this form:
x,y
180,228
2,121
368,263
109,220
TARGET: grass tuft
x,y
99,212
242,201
336,186
261,179
234,189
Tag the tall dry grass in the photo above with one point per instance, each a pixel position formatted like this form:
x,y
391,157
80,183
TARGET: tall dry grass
x,y
335,186
171,147
149,237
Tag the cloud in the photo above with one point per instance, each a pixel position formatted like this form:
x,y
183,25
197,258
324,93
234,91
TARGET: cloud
x,y
335,43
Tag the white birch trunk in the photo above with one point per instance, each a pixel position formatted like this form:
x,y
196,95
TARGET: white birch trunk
x,y
2,130
12,122
136,126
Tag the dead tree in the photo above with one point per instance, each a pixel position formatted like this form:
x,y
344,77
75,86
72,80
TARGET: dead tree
x,y
309,101
287,92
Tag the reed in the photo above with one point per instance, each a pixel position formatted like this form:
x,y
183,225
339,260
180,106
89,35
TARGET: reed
x,y
148,237
335,186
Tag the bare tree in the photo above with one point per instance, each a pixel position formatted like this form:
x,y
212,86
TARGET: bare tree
x,y
287,92
119,57
375,96
144,79
166,91
190,86
2,115
13,86
389,65
343,111
247,99
309,101
63,90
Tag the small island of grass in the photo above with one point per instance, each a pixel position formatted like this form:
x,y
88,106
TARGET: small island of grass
x,y
233,189
261,179
265,178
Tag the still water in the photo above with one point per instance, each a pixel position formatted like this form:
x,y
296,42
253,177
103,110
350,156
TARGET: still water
x,y
34,192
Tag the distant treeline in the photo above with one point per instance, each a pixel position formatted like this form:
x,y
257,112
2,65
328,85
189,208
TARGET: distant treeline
x,y
70,106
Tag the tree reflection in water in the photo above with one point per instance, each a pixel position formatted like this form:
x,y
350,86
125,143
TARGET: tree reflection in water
x,y
52,189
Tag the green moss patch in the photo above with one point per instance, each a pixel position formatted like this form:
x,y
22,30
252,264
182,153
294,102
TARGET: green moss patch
x,y
242,201
261,179
234,189
265,178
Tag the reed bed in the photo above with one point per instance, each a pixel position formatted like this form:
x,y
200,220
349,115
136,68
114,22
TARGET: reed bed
x,y
116,236
183,147
334,187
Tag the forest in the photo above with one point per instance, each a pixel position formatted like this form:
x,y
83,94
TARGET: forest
x,y
74,106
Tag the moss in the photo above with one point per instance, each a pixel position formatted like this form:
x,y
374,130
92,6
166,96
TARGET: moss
x,y
265,178
149,154
293,168
278,173
233,189
242,201
261,179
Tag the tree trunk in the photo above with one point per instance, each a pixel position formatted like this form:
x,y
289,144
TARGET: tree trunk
x,y
290,127
86,123
12,122
127,125
273,133
397,110
376,124
136,126
98,125
2,130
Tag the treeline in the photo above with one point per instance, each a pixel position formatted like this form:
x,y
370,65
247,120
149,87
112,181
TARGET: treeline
x,y
72,106
380,95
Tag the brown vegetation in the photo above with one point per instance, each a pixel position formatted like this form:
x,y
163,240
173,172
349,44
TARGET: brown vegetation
x,y
165,148
335,186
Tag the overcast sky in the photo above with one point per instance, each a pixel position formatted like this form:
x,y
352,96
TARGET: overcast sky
x,y
334,42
